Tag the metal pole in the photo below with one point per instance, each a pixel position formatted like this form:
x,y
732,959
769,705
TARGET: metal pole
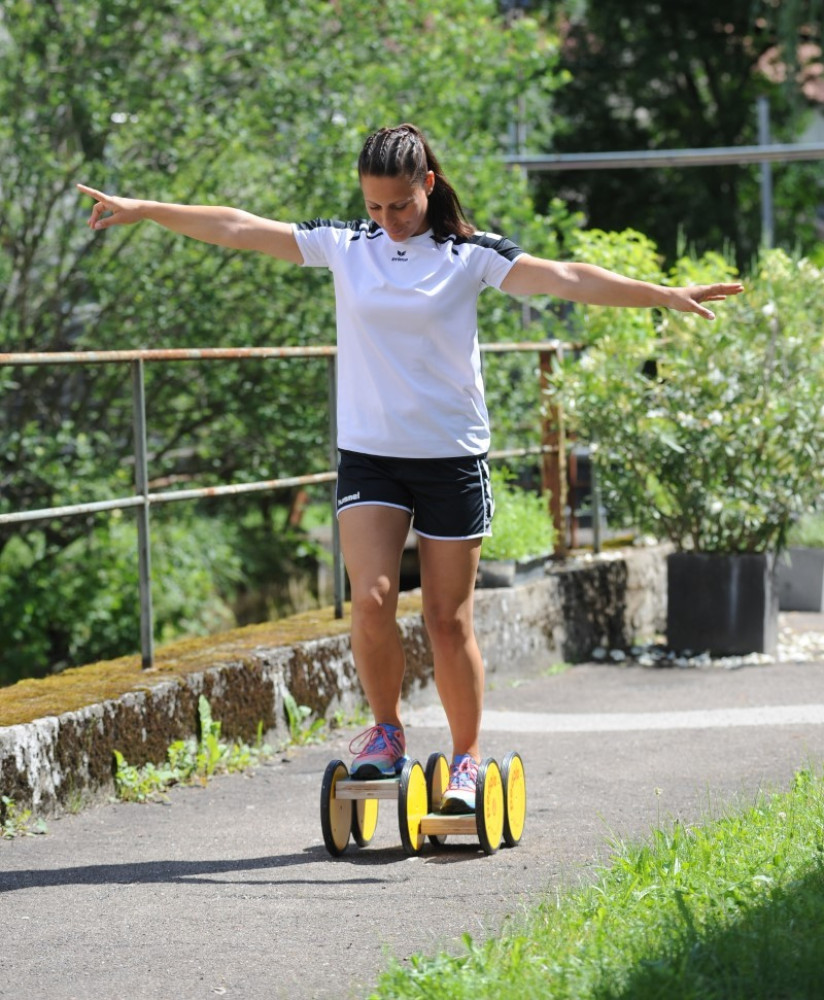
x,y
553,466
646,159
767,234
141,485
595,494
338,573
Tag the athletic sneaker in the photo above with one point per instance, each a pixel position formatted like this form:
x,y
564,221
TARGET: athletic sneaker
x,y
381,752
459,796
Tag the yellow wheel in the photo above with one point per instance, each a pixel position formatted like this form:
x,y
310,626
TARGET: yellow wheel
x,y
364,820
412,806
489,806
514,779
335,814
437,778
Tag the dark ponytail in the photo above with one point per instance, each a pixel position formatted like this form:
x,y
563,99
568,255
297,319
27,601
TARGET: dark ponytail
x,y
404,152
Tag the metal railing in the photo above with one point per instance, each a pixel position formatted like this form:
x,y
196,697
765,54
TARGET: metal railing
x,y
553,474
646,158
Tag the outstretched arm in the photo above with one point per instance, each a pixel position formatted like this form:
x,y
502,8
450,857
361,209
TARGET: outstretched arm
x,y
599,287
226,227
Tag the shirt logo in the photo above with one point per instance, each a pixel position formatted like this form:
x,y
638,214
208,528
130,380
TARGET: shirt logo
x,y
401,256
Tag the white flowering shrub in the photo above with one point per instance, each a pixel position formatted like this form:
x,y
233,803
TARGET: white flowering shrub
x,y
709,434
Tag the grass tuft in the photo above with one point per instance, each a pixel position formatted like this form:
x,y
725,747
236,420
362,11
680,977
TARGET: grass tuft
x,y
188,761
17,822
733,910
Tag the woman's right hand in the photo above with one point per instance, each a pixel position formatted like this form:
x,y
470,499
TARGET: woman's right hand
x,y
124,211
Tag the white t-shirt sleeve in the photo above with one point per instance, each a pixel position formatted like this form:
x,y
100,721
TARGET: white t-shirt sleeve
x,y
497,261
319,239
313,241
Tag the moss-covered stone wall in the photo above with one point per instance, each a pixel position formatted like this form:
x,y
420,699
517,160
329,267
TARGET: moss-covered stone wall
x,y
57,735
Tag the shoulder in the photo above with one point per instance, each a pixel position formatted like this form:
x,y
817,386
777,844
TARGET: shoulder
x,y
490,242
323,242
353,228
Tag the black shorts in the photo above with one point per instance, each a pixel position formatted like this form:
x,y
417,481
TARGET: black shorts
x,y
447,497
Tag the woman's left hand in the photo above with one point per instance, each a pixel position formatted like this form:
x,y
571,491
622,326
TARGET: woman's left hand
x,y
690,299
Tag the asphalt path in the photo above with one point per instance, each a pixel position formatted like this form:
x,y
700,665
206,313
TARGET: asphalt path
x,y
228,890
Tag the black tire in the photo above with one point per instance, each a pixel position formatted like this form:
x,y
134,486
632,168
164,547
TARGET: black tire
x,y
335,814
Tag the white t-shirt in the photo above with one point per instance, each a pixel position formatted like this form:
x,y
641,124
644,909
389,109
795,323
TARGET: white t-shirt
x,y
409,364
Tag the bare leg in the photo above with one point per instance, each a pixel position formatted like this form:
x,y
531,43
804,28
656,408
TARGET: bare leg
x,y
372,540
448,571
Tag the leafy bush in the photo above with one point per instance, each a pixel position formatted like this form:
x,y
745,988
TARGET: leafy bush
x,y
521,526
709,434
81,603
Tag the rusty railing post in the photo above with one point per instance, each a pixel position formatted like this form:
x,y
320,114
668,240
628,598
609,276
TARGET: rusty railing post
x,y
141,487
338,573
553,458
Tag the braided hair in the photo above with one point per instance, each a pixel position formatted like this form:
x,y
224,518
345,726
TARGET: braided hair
x,y
403,151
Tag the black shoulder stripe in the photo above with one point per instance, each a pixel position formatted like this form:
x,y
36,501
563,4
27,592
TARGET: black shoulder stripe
x,y
358,226
331,224
491,241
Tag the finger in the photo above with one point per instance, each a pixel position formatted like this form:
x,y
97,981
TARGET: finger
x,y
94,219
91,191
96,222
715,293
693,304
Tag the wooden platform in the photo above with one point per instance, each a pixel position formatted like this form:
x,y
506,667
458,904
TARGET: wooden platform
x,y
379,788
443,824
459,824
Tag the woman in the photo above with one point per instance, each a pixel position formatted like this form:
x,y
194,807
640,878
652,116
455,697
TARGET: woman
x,y
413,424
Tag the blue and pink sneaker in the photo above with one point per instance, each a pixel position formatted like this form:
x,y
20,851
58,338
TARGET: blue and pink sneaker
x,y
380,752
459,796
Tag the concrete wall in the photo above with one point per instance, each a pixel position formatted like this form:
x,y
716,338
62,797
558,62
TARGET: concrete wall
x,y
60,763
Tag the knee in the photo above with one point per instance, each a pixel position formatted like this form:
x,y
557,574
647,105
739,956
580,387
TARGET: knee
x,y
374,604
446,628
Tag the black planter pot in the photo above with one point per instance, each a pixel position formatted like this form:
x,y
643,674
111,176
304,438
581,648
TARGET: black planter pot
x,y
800,576
726,604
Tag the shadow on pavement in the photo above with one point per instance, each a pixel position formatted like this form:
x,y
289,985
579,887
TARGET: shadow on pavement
x,y
196,872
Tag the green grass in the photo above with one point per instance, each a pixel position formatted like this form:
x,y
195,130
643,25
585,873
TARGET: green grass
x,y
188,761
733,910
16,822
199,759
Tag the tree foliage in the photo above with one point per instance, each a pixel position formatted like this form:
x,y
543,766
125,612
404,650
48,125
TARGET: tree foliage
x,y
647,74
262,104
